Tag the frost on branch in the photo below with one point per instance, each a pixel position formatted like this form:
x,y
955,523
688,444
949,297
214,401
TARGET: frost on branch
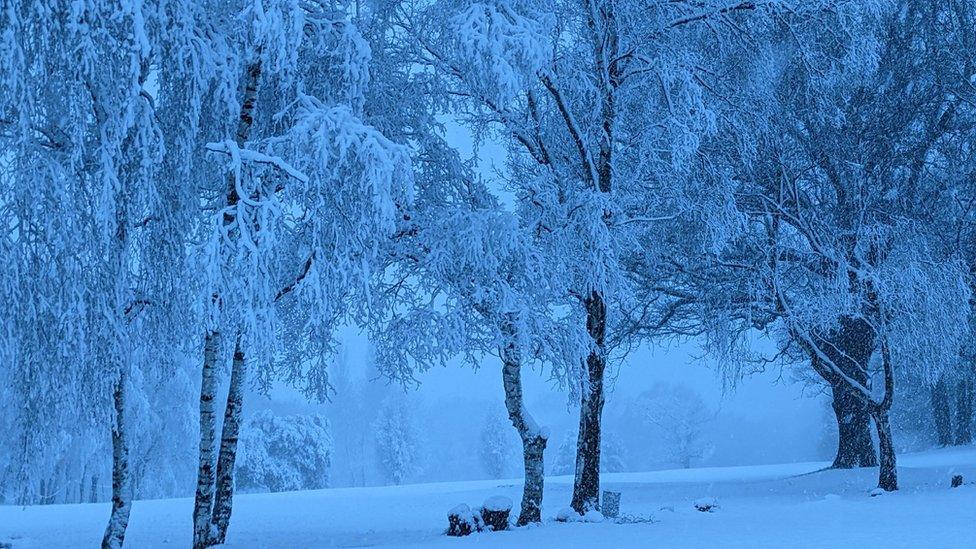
x,y
502,49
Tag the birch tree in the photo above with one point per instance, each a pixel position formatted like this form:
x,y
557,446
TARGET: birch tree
x,y
81,141
307,190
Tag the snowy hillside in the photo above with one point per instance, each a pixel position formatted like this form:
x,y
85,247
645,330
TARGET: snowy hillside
x,y
794,505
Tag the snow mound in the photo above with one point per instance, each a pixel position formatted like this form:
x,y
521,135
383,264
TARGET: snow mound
x,y
706,505
568,514
593,516
876,492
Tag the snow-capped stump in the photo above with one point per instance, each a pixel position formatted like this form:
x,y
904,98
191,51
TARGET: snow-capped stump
x,y
495,512
956,481
706,505
462,521
876,492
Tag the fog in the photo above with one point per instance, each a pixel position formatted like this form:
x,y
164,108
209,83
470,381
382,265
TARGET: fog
x,y
767,416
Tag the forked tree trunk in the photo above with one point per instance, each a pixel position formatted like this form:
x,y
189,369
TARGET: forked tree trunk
x,y
230,433
121,482
203,510
586,487
533,439
887,475
941,412
203,504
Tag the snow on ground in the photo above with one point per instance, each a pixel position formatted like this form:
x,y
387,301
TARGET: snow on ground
x,y
793,505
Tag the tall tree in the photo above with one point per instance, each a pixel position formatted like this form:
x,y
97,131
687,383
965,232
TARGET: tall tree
x,y
80,131
280,245
577,96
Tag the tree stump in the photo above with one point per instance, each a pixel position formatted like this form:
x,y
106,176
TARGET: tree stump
x,y
495,512
462,522
956,481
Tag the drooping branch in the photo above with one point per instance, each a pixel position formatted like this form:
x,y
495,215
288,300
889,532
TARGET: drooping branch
x,y
247,155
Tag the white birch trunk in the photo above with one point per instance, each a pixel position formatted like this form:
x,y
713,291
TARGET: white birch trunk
x,y
224,493
121,481
203,503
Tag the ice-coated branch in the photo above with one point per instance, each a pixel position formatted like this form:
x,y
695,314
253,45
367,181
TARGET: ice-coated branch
x,y
230,147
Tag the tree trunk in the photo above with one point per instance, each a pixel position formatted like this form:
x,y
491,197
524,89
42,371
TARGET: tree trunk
x,y
850,348
964,411
941,412
533,450
121,488
855,448
203,504
586,487
224,494
888,474
533,439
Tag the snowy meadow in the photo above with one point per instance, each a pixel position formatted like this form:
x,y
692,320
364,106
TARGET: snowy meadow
x,y
622,273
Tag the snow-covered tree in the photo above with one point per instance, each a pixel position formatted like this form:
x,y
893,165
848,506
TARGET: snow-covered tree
x,y
95,283
601,106
678,416
349,414
464,278
564,462
397,440
300,189
612,454
282,453
842,197
496,451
